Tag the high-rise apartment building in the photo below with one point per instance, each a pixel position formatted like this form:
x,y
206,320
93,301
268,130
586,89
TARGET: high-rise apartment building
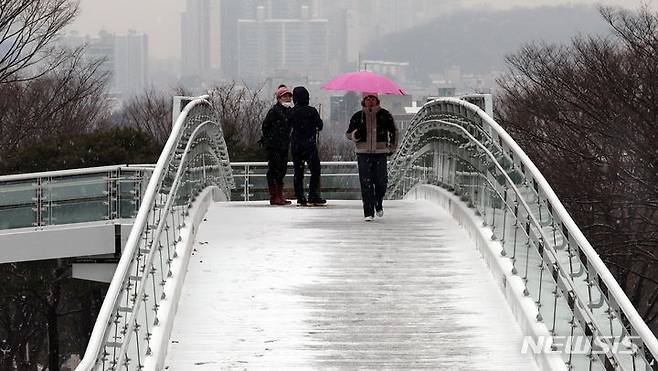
x,y
201,38
230,12
131,63
251,38
125,59
296,42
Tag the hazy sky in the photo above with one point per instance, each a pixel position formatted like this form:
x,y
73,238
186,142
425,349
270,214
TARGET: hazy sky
x,y
160,19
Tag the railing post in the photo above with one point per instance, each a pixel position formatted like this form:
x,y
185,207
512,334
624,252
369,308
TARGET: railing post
x,y
436,158
247,181
203,162
39,202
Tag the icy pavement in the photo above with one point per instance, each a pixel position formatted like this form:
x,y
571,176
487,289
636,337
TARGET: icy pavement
x,y
279,288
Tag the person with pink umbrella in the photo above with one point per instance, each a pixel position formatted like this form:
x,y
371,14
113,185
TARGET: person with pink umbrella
x,y
374,132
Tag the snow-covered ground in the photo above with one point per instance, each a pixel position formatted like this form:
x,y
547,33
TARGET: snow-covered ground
x,y
278,288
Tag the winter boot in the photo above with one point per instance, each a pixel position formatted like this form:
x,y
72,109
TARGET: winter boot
x,y
271,188
281,197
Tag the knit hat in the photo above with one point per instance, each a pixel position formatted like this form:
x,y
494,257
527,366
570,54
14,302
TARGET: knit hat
x,y
367,94
280,92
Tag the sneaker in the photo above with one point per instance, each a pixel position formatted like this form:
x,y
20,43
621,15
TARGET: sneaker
x,y
368,218
317,201
302,203
380,213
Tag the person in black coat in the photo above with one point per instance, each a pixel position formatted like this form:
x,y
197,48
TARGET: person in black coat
x,y
375,134
306,123
276,140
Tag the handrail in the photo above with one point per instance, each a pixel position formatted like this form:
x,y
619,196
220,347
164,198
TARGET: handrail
x,y
593,258
143,237
324,163
531,216
460,111
138,167
158,230
72,172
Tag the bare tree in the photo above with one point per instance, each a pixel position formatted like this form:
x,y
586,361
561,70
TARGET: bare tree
x,y
241,111
67,100
27,31
151,113
587,115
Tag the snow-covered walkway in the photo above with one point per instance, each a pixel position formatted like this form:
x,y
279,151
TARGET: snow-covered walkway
x,y
279,288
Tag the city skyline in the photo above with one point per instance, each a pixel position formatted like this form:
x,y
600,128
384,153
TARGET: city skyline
x,y
164,23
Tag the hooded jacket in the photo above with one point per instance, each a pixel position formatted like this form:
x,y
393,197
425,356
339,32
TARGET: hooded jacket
x,y
373,130
276,128
305,121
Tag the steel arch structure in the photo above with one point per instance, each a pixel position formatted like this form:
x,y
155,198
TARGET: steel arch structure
x,y
455,145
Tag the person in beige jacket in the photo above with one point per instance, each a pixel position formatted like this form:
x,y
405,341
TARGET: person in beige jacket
x,y
374,132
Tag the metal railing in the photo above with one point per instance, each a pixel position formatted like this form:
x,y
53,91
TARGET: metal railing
x,y
454,144
39,200
339,181
194,159
114,193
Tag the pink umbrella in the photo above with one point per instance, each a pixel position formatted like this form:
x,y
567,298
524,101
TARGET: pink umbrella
x,y
364,81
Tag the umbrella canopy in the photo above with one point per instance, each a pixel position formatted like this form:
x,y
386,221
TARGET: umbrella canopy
x,y
364,81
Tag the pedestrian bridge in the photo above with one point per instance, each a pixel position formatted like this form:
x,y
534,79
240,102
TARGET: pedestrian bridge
x,y
475,256
318,288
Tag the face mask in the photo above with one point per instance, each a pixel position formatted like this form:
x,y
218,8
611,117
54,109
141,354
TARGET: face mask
x,y
287,104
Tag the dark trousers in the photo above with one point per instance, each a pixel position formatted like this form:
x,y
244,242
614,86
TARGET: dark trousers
x,y
277,165
374,178
299,159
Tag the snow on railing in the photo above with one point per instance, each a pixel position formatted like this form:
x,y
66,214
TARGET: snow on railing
x,y
454,144
194,160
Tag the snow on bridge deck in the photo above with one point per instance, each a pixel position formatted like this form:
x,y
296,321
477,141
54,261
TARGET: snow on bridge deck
x,y
281,288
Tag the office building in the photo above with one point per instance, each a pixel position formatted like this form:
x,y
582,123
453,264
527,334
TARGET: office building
x,y
125,59
201,36
131,63
267,45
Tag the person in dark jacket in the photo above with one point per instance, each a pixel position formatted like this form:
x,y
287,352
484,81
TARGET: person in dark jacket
x,y
374,132
276,140
306,123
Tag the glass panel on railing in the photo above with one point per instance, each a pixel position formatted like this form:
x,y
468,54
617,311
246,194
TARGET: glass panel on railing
x,y
18,193
128,208
563,315
69,188
17,217
75,211
576,352
533,270
129,192
338,181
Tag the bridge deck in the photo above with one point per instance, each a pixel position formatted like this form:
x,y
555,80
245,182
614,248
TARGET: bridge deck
x,y
299,288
